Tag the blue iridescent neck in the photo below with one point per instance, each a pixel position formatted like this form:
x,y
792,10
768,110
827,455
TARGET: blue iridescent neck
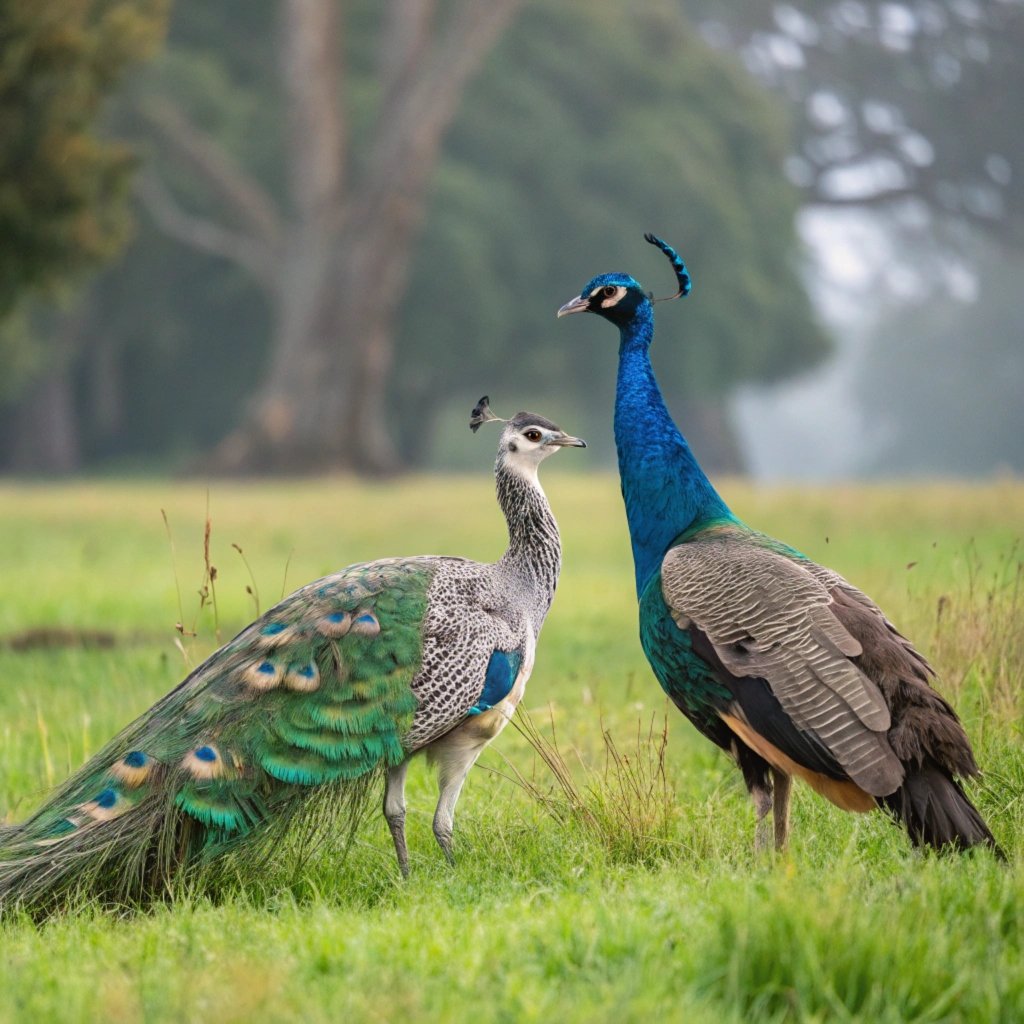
x,y
663,486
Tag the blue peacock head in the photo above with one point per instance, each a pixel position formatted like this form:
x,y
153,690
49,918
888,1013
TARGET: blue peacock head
x,y
619,297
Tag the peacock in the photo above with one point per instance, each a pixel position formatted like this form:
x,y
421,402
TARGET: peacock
x,y
335,688
779,661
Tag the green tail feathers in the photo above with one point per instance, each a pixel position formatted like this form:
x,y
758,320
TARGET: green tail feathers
x,y
313,696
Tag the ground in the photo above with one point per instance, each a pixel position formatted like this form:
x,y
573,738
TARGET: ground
x,y
629,893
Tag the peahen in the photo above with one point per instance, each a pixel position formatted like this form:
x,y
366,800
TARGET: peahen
x,y
779,661
338,685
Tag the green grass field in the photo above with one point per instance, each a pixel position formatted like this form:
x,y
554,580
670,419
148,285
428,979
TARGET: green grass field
x,y
636,895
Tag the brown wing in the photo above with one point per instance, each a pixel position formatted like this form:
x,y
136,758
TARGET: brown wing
x,y
769,617
923,723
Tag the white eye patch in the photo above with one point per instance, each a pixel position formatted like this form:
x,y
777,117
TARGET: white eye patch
x,y
607,301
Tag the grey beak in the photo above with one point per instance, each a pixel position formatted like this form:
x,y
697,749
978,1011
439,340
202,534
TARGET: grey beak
x,y
568,441
578,305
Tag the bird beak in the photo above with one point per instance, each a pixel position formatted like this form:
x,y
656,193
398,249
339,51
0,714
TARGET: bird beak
x,y
568,441
578,305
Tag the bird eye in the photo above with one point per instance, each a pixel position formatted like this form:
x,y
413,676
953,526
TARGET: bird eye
x,y
532,435
608,290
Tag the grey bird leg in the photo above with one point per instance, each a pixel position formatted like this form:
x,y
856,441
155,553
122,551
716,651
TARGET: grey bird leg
x,y
762,798
454,755
394,813
782,785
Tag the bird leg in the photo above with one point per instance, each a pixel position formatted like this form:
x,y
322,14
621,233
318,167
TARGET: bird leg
x,y
762,798
394,813
444,817
454,755
782,786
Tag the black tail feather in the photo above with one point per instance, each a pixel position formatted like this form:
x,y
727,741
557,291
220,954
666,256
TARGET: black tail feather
x,y
935,811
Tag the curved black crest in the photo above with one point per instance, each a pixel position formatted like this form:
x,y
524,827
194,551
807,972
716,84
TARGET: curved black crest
x,y
682,274
482,414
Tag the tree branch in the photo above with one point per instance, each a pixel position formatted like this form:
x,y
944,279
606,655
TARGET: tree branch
x,y
312,72
869,200
471,32
410,133
203,234
386,208
244,197
1003,230
405,42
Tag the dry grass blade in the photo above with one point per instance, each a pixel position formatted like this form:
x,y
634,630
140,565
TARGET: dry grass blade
x,y
252,589
180,624
208,588
628,804
571,803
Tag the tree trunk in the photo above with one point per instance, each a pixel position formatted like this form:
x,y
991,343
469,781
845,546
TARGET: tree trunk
x,y
291,425
44,431
416,424
44,426
103,413
344,248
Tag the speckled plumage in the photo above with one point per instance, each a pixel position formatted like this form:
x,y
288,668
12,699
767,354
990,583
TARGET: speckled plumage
x,y
339,683
474,609
779,661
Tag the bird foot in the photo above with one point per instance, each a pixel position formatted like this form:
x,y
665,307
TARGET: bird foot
x,y
445,842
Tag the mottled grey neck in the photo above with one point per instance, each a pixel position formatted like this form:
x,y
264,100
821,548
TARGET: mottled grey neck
x,y
534,546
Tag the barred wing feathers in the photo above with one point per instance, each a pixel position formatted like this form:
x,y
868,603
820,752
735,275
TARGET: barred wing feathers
x,y
770,618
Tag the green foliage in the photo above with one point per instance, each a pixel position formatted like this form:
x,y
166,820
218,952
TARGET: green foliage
x,y
63,188
634,894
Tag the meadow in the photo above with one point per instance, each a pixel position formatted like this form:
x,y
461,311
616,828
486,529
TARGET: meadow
x,y
623,886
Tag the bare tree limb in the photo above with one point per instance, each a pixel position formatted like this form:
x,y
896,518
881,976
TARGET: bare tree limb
x,y
405,43
312,72
249,204
869,200
470,33
1001,230
410,134
203,234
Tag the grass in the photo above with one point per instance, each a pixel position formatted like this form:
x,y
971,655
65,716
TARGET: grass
x,y
623,889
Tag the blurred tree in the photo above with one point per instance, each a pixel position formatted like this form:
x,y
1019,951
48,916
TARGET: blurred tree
x,y
588,124
941,383
63,189
595,122
912,106
333,257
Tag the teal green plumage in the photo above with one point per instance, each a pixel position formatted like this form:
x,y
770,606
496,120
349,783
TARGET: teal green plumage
x,y
316,691
683,674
